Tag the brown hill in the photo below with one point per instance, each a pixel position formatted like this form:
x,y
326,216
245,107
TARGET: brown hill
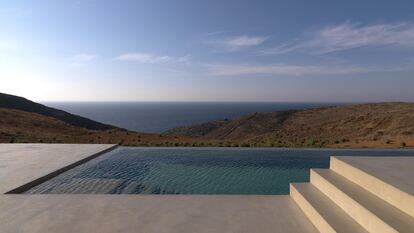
x,y
382,125
20,103
18,126
361,125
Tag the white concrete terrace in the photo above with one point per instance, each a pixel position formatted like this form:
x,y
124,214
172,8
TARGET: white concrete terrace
x,y
20,164
357,194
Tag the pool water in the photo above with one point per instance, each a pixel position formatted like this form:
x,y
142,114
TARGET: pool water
x,y
197,170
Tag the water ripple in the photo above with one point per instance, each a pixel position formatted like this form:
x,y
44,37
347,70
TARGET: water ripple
x,y
196,171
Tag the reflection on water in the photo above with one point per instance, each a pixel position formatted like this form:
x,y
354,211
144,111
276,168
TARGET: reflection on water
x,y
197,170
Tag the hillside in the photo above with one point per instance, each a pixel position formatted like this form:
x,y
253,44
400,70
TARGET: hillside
x,y
17,126
383,125
20,103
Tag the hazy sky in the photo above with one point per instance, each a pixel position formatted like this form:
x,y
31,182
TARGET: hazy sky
x,y
210,50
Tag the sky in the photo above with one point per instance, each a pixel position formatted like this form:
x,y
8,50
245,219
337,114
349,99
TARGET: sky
x,y
215,50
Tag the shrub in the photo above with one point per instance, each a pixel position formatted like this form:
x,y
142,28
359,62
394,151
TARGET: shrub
x,y
228,144
245,145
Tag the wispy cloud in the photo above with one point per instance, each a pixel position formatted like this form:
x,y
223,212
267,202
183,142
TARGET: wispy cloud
x,y
150,58
237,42
287,70
82,58
243,41
351,35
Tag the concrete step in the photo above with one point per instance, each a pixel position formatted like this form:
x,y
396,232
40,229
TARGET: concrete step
x,y
324,214
390,178
370,211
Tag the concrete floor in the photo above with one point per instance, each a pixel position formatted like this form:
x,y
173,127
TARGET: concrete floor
x,y
22,163
151,214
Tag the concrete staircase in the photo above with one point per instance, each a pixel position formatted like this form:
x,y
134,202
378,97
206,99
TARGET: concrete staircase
x,y
354,196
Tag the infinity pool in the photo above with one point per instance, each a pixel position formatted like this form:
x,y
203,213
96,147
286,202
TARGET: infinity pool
x,y
197,170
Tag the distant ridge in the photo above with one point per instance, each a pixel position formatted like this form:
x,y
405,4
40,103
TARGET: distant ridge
x,y
20,103
379,125
389,124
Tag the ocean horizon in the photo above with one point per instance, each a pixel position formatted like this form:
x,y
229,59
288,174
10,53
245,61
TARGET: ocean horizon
x,y
157,117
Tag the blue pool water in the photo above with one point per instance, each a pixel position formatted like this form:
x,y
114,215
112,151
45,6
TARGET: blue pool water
x,y
197,170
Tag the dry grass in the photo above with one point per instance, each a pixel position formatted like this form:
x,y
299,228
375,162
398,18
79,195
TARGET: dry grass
x,y
23,127
386,125
383,125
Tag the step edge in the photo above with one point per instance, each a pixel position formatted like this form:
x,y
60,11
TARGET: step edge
x,y
386,191
317,220
367,219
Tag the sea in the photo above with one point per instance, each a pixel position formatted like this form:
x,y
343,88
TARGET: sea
x,y
157,117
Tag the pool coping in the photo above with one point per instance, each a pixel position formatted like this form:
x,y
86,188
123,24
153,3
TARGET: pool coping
x,y
107,213
23,188
33,183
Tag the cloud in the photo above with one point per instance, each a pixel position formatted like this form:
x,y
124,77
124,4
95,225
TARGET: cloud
x,y
84,57
150,58
243,41
286,70
351,35
238,42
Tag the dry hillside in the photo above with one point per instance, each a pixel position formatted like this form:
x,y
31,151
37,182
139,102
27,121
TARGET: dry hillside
x,y
23,127
382,125
362,125
23,104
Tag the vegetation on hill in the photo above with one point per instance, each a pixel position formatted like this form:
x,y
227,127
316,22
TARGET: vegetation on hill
x,y
361,125
381,125
20,103
17,126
